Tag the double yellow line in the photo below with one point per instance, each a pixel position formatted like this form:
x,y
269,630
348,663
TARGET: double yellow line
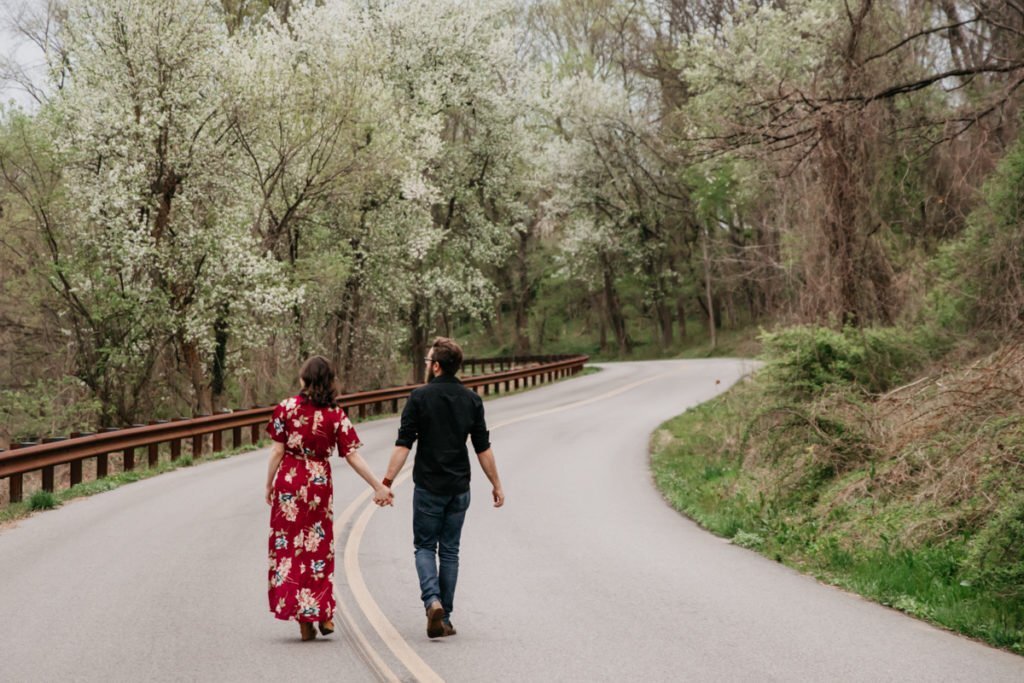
x,y
387,632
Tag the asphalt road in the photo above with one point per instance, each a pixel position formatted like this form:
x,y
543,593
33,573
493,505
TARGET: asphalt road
x,y
584,575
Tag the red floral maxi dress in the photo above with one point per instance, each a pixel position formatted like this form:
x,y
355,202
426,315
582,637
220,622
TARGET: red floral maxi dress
x,y
302,516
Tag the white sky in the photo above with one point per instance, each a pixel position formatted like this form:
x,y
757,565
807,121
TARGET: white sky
x,y
19,51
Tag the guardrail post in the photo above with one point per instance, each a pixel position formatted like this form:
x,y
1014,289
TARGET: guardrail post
x,y
76,465
49,469
176,443
197,446
236,437
254,431
154,448
362,411
103,459
218,441
129,455
17,482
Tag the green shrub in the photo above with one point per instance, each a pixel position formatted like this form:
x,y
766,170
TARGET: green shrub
x,y
980,281
995,557
42,500
803,361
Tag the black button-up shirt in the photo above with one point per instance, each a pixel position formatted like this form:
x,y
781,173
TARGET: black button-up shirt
x,y
441,414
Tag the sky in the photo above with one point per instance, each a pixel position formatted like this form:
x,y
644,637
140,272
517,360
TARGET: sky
x,y
16,50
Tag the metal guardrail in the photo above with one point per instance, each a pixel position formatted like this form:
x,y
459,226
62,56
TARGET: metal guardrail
x,y
30,457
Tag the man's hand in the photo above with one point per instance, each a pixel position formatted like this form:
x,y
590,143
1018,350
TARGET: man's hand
x,y
499,497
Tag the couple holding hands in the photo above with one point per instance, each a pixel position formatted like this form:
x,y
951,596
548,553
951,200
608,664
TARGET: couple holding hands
x,y
307,427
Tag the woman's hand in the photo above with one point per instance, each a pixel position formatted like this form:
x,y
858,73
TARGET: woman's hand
x,y
276,455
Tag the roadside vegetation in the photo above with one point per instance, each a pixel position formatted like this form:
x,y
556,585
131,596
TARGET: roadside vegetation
x,y
886,459
876,460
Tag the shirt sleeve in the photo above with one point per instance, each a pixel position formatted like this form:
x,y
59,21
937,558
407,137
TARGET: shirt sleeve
x,y
408,430
478,434
276,428
348,440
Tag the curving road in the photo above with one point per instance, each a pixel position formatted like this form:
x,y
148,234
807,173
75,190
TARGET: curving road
x,y
585,575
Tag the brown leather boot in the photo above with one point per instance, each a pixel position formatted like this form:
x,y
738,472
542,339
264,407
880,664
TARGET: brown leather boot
x,y
326,627
306,630
435,615
449,629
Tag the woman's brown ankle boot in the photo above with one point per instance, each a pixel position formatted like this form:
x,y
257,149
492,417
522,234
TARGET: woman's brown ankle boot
x,y
307,630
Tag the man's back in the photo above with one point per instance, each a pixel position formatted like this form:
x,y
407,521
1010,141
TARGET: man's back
x,y
441,415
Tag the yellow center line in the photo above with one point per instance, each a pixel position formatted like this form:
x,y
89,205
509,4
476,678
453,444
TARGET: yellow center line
x,y
419,669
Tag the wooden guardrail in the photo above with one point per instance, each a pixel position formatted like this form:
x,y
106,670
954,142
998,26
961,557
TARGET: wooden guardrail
x,y
29,457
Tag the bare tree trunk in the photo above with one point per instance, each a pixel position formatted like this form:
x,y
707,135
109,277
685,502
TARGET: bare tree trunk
x,y
418,338
602,324
681,317
614,308
664,320
202,399
524,295
707,288
218,379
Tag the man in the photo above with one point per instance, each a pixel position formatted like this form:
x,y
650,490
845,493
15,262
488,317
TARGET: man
x,y
441,414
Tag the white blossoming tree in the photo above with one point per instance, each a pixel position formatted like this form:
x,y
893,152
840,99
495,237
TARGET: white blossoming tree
x,y
154,250
455,77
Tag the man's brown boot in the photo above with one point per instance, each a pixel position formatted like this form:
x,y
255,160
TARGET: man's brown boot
x,y
306,630
449,630
435,620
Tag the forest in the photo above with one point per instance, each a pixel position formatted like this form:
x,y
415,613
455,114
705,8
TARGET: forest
x,y
205,193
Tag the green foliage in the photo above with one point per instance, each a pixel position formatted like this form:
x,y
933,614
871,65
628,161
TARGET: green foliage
x,y
804,361
48,408
982,273
996,555
43,500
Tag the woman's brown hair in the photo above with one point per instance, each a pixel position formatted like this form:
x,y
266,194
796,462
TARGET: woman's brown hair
x,y
319,382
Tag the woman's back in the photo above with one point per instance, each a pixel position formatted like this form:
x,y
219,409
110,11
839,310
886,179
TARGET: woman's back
x,y
311,431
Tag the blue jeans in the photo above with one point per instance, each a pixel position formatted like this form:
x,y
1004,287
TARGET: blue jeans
x,y
437,529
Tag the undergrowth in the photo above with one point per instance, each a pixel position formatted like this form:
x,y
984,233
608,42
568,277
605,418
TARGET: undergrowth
x,y
856,457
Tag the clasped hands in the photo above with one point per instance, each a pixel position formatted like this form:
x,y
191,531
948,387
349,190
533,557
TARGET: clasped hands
x,y
383,496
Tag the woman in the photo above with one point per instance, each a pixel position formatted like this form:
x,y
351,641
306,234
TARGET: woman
x,y
306,428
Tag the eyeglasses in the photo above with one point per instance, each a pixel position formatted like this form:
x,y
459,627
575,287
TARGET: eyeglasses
x,y
428,359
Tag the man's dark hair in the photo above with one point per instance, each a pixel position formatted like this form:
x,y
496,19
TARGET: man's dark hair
x,y
448,355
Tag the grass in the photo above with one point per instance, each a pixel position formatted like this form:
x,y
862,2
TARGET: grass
x,y
42,500
888,526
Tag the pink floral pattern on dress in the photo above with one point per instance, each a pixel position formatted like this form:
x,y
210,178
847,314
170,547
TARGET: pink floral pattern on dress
x,y
301,573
